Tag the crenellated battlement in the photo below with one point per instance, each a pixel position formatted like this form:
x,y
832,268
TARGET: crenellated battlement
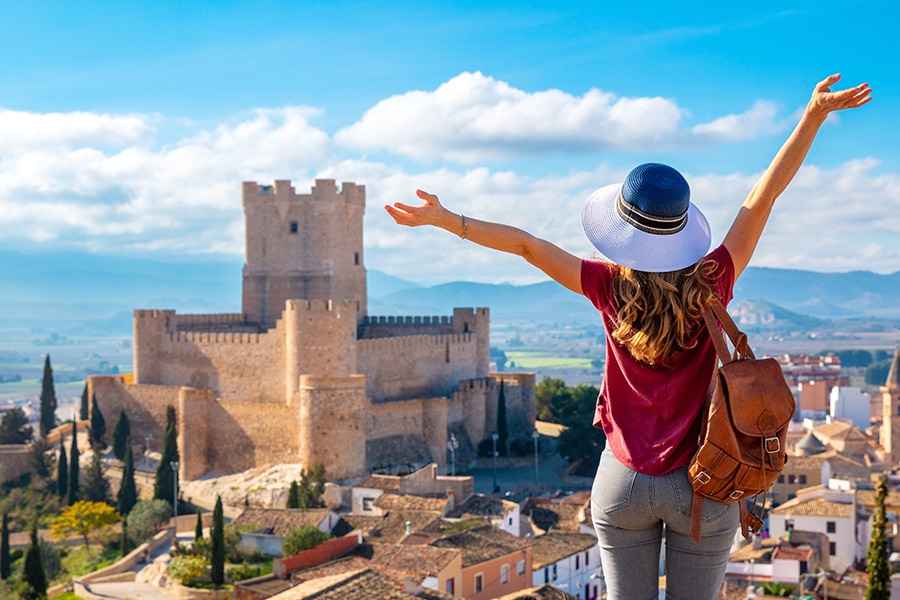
x,y
322,306
222,319
324,190
407,320
413,342
214,337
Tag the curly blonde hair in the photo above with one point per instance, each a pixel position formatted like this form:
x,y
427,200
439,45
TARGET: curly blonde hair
x,y
658,313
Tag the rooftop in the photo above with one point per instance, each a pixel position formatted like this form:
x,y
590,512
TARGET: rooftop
x,y
281,521
482,544
554,547
549,516
816,507
483,506
390,501
421,560
390,528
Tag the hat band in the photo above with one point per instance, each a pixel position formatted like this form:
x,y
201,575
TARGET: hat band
x,y
646,222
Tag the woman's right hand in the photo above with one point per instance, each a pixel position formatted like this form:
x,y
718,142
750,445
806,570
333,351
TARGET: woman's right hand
x,y
429,213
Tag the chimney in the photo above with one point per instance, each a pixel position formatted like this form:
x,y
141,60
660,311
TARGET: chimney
x,y
408,527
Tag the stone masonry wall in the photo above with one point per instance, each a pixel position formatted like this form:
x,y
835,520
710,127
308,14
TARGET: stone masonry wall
x,y
416,366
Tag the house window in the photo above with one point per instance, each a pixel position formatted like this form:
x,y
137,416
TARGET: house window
x,y
577,562
510,522
587,556
520,567
781,479
294,227
832,549
554,572
830,526
792,479
479,582
356,258
450,587
367,504
801,479
546,574
504,574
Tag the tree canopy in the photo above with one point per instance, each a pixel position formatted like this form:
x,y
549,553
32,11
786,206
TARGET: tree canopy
x,y
14,428
303,538
83,518
48,398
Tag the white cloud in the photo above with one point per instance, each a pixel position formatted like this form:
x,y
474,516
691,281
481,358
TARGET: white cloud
x,y
104,182
758,121
473,117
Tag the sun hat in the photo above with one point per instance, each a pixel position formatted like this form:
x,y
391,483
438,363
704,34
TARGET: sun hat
x,y
648,222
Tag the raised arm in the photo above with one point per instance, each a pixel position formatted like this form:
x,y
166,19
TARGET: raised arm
x,y
559,265
744,234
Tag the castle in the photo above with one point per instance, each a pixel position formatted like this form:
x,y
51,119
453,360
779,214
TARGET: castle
x,y
303,374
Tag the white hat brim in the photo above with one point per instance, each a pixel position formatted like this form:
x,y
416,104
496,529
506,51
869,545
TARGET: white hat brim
x,y
628,246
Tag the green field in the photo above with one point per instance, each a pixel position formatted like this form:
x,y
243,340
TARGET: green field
x,y
543,360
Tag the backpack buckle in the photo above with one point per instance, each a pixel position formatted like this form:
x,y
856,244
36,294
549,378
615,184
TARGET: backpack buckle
x,y
772,445
703,477
734,495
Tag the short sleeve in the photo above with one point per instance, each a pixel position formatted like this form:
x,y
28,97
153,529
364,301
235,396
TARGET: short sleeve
x,y
596,279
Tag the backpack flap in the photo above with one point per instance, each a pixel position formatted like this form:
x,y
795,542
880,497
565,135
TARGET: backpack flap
x,y
764,405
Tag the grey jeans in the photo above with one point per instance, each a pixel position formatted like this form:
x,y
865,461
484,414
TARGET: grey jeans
x,y
630,510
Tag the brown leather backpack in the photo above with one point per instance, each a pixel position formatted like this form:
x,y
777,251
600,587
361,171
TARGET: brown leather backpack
x,y
742,448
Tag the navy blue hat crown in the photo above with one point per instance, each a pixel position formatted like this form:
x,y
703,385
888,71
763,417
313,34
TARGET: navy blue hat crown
x,y
654,199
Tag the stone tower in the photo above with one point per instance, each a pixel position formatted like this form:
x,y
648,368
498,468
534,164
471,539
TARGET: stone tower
x,y
890,406
305,246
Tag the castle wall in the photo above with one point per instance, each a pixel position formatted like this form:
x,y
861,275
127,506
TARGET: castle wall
x,y
332,424
15,461
416,366
302,246
380,326
243,435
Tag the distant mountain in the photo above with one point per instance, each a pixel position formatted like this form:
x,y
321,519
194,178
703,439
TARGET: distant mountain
x,y
90,292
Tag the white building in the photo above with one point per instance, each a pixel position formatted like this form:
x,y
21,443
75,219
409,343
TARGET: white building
x,y
569,562
852,404
833,512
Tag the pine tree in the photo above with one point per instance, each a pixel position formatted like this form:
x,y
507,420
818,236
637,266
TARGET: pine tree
x,y
62,472
48,399
217,539
73,467
293,499
14,428
164,488
502,428
198,528
5,563
95,487
33,572
879,587
83,412
127,496
98,424
121,431
312,486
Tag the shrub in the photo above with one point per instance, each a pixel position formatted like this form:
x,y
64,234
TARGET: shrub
x,y
303,538
147,518
188,569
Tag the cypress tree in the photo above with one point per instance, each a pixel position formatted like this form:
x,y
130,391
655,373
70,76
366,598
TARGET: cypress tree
x,y
121,431
95,487
124,540
164,488
198,528
98,424
33,572
293,499
879,587
48,399
83,412
41,460
217,539
127,496
73,467
502,429
5,563
62,472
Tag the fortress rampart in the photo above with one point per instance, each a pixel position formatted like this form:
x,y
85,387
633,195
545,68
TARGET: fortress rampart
x,y
302,374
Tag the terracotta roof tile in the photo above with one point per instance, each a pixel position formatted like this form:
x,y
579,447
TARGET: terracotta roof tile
x,y
280,521
388,529
387,483
363,584
816,507
553,547
390,501
421,560
541,592
481,544
481,506
553,516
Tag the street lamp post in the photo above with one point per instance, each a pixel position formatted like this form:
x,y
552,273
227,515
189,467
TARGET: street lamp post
x,y
535,435
452,445
494,438
174,465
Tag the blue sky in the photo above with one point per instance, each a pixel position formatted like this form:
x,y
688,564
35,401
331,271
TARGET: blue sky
x,y
126,128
